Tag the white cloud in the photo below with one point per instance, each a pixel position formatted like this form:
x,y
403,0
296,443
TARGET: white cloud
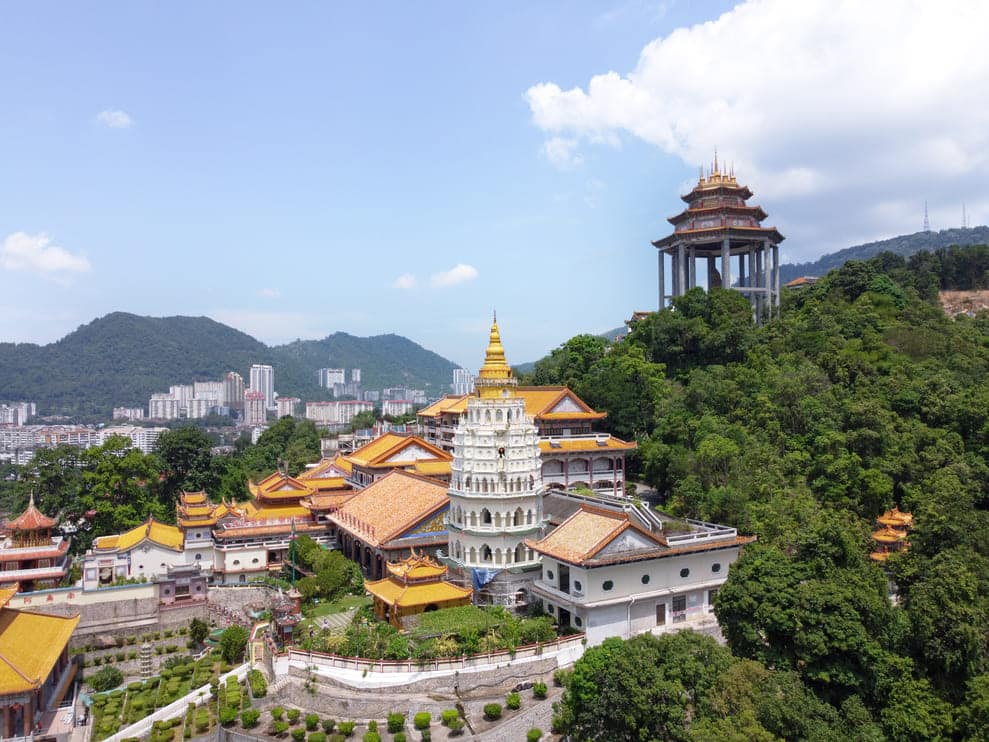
x,y
457,274
405,281
114,118
562,152
35,253
844,101
267,293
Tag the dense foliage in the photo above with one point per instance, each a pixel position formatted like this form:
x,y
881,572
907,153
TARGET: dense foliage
x,y
332,574
121,359
863,395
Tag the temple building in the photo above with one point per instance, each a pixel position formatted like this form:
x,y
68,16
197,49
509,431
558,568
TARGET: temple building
x,y
197,517
414,585
392,451
31,557
36,672
495,483
146,551
606,575
385,521
718,223
573,455
892,534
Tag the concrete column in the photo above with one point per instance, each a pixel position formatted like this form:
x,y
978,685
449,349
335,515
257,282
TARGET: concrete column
x,y
682,270
726,263
692,269
6,722
776,276
662,279
673,272
711,268
29,717
760,271
741,271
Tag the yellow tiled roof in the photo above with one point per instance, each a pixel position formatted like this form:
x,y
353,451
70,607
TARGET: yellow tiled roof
x,y
416,567
539,400
391,505
387,451
160,533
585,444
395,592
253,511
278,486
193,498
451,403
433,468
583,534
324,469
30,645
343,464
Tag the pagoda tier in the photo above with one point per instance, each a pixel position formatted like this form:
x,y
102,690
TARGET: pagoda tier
x,y
718,223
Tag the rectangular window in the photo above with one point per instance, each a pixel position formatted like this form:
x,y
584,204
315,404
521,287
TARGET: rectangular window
x,y
679,608
711,595
660,614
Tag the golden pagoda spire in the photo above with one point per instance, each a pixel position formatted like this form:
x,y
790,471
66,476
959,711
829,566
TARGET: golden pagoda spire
x,y
495,376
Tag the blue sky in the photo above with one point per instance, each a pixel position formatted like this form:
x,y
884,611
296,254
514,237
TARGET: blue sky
x,y
410,167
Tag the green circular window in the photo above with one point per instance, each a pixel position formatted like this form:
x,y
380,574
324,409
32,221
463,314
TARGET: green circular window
x,y
684,572
549,574
645,579
715,567
607,585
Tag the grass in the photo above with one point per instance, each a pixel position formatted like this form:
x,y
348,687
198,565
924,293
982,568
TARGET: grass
x,y
455,621
339,605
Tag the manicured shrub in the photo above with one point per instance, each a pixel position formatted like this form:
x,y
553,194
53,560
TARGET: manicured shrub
x,y
561,677
534,735
202,719
336,738
293,716
249,718
298,734
277,713
456,727
279,728
514,701
228,716
346,728
317,737
312,722
372,726
422,720
399,737
396,723
329,725
108,677
492,711
372,737
426,735
449,715
135,686
539,690
259,686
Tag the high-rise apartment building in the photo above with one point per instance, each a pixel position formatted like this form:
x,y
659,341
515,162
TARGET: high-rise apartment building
x,y
128,413
163,407
355,375
255,409
263,380
212,391
330,376
233,391
463,381
287,406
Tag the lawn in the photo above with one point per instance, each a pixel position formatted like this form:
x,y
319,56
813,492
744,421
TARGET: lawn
x,y
339,605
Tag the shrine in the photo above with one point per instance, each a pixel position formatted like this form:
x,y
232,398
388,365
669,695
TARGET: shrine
x,y
30,556
414,585
718,223
892,534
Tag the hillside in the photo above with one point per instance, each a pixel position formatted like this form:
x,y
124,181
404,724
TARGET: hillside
x,y
903,245
121,359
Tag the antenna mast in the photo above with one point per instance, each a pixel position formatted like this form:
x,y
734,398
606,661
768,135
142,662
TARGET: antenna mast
x,y
927,222
964,217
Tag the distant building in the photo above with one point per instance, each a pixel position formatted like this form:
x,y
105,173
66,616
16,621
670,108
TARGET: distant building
x,y
255,408
397,407
233,391
141,438
287,406
163,406
801,282
197,408
183,393
371,396
128,413
263,380
337,412
17,413
355,375
212,391
463,381
330,376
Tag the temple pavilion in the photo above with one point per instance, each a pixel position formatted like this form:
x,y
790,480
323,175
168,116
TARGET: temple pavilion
x,y
414,585
892,534
36,672
30,556
718,223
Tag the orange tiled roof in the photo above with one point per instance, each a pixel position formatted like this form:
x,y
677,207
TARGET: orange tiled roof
x,y
325,469
31,519
585,444
416,567
585,533
387,451
896,518
452,403
327,500
279,486
390,506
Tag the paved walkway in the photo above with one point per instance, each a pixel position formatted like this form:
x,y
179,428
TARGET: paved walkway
x,y
337,623
532,714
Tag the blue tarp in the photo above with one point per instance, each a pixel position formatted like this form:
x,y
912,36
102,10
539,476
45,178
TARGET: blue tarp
x,y
481,577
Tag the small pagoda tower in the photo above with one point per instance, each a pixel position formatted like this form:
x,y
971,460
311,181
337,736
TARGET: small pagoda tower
x,y
892,534
29,555
718,223
414,585
495,482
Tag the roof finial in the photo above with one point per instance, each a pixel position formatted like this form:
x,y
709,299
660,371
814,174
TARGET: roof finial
x,y
715,158
494,316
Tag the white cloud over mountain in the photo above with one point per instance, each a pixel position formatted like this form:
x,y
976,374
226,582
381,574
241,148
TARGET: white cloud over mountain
x,y
35,253
843,110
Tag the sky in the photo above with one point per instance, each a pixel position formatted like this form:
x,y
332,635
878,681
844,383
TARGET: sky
x,y
298,169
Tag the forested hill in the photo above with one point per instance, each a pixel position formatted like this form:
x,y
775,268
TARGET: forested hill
x,y
121,359
904,245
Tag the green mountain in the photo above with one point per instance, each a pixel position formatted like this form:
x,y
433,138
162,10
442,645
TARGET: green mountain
x,y
904,245
121,359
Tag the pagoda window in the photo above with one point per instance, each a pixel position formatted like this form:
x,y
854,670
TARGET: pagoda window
x,y
486,517
520,553
498,556
518,484
484,485
473,518
485,553
468,483
519,517
528,518
499,417
508,556
487,416
472,555
497,519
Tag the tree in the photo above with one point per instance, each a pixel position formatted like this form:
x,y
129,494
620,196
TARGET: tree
x,y
571,362
105,678
186,454
198,630
233,641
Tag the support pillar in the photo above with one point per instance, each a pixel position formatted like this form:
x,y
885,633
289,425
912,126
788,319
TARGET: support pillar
x,y
711,268
726,263
741,271
6,722
29,717
662,280
691,269
682,270
760,268
776,277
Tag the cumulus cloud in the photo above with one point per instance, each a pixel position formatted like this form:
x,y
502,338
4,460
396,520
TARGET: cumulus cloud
x,y
848,101
405,281
267,293
457,274
562,152
114,118
35,253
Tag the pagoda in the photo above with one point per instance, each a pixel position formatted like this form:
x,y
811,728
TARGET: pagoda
x,y
30,556
892,534
414,585
719,223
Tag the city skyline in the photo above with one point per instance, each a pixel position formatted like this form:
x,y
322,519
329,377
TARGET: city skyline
x,y
446,161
